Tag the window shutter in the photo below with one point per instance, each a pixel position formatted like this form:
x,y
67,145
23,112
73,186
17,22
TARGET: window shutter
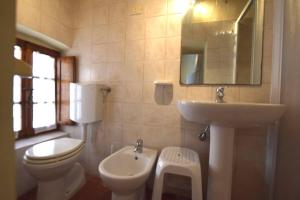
x,y
26,105
66,73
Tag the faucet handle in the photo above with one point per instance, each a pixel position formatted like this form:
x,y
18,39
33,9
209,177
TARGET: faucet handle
x,y
220,90
139,142
220,93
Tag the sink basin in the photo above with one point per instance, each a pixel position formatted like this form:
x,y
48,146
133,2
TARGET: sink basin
x,y
223,119
234,115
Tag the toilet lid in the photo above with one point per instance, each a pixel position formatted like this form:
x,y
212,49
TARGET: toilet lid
x,y
53,148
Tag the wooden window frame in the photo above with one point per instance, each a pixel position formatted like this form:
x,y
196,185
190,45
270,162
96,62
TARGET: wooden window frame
x,y
27,49
64,64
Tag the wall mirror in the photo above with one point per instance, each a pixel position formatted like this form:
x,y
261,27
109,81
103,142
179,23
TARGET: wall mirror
x,y
221,43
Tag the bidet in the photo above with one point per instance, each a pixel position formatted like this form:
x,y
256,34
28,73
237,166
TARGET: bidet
x,y
126,171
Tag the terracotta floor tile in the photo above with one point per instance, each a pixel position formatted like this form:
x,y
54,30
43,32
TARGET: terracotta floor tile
x,y
94,190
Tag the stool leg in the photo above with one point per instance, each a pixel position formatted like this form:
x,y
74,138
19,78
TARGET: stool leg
x,y
196,188
158,186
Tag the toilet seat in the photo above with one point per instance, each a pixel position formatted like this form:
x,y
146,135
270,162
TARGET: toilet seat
x,y
53,151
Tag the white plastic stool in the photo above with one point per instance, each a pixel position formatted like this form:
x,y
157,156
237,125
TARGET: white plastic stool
x,y
180,161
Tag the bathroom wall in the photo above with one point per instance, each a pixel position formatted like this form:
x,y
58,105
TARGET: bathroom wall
x,y
7,162
52,18
128,50
288,163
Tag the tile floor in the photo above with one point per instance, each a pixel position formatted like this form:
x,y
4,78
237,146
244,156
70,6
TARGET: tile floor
x,y
94,190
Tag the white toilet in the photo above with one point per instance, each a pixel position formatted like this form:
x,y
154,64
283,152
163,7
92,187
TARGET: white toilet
x,y
54,163
126,171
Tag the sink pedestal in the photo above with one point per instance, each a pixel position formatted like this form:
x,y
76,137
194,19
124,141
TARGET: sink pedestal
x,y
220,163
220,116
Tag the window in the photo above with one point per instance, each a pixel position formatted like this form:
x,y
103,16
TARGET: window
x,y
36,106
17,104
17,95
43,93
18,52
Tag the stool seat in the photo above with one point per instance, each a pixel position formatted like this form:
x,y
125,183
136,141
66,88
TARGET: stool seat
x,y
179,161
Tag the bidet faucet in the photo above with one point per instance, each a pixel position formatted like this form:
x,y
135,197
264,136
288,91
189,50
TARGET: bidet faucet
x,y
138,146
220,93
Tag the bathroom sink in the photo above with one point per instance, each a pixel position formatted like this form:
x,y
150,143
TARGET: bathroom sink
x,y
223,119
235,115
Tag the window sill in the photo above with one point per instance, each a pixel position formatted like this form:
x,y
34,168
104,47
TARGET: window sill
x,y
27,142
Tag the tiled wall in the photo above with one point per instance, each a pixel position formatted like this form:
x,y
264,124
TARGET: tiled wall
x,y
52,18
128,52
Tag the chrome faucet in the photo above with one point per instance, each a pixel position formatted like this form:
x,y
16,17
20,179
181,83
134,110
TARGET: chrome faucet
x,y
138,146
220,93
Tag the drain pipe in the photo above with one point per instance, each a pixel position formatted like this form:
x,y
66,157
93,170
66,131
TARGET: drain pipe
x,y
203,135
84,132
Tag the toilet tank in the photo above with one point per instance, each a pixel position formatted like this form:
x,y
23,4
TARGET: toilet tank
x,y
86,102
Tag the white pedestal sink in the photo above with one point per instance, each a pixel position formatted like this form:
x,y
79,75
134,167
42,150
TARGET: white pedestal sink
x,y
223,119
